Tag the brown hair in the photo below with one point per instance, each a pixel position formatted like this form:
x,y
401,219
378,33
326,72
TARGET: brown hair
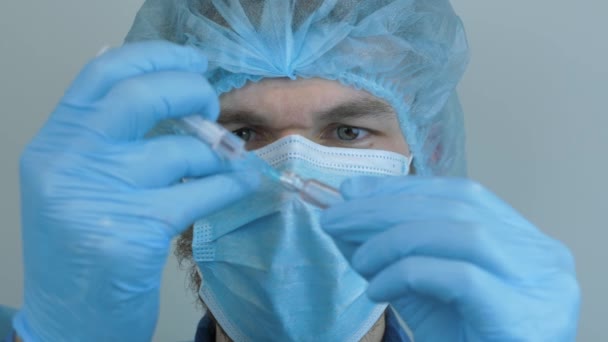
x,y
183,252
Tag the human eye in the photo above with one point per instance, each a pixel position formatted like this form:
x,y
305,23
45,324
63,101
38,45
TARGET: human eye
x,y
245,133
350,133
253,137
347,136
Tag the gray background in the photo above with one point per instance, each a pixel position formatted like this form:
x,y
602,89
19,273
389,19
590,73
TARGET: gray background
x,y
534,100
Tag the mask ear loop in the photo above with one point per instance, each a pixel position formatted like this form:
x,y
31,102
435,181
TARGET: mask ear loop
x,y
219,316
410,160
200,276
403,324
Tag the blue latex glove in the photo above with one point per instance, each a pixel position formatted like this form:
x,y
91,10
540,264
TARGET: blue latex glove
x,y
100,204
456,262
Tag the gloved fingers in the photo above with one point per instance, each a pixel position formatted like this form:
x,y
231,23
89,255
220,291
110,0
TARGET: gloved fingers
x,y
359,219
366,186
136,105
182,204
130,60
474,243
458,189
505,250
160,161
449,281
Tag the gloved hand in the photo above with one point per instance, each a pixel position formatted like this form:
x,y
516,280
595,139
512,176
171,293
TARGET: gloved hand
x,y
100,204
456,262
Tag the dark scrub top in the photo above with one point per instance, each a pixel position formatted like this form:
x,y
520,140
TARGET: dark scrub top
x,y
205,332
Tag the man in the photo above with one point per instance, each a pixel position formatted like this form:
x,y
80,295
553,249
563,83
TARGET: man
x,y
357,94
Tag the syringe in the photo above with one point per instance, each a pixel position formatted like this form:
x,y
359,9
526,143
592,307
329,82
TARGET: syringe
x,y
312,191
222,141
231,147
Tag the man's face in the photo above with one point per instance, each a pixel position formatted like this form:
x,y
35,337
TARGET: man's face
x,y
322,111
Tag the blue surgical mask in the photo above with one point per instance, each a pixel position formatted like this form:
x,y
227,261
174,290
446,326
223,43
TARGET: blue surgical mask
x,y
269,271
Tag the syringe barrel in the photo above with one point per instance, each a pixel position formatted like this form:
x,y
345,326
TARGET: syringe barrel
x,y
222,141
203,129
230,146
319,194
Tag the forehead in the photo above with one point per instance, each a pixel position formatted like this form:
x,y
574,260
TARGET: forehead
x,y
291,97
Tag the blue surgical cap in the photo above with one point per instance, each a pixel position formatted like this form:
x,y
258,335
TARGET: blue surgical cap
x,y
411,53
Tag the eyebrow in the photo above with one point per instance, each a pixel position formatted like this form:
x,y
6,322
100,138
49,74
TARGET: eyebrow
x,y
242,116
358,109
355,109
